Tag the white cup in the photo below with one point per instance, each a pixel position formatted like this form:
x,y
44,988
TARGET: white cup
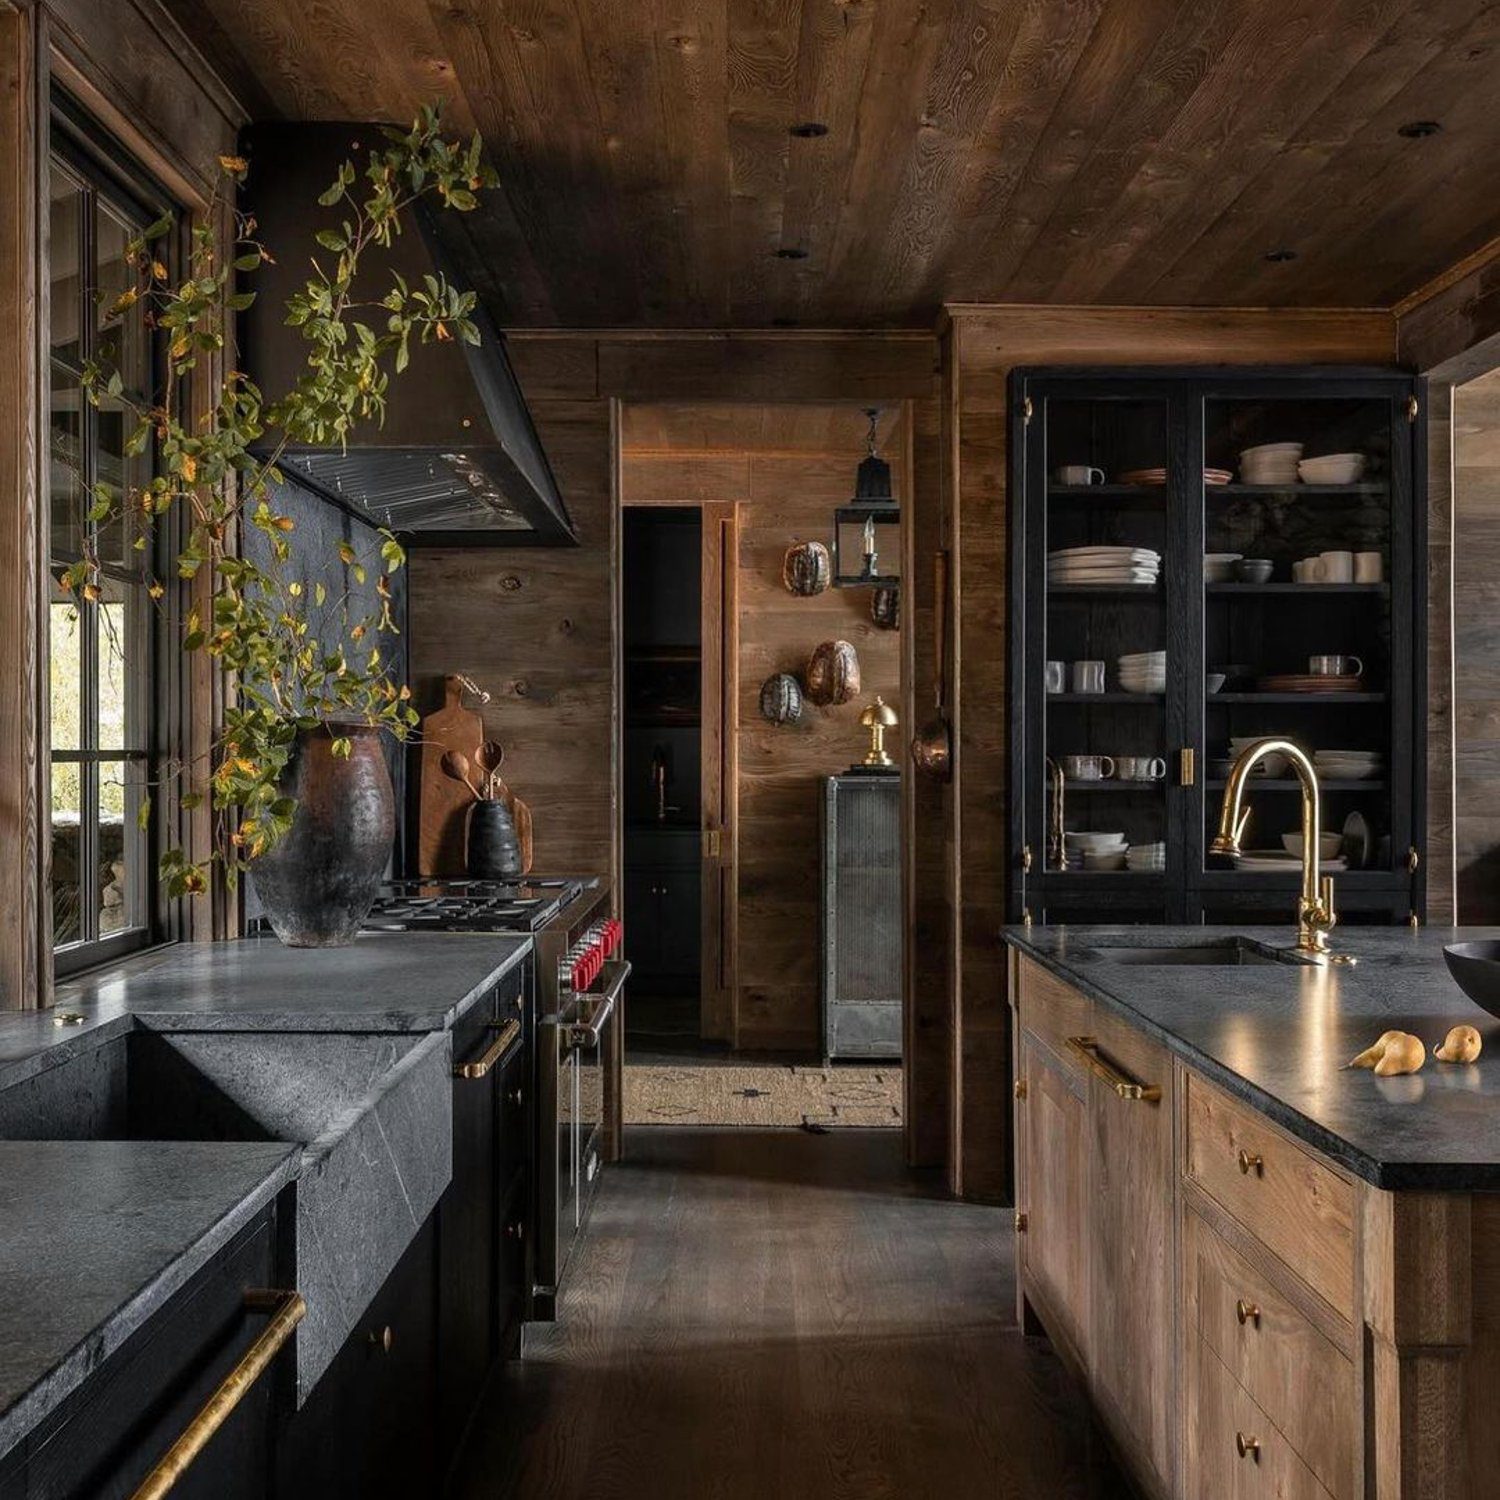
x,y
1369,567
1078,474
1057,677
1335,567
1089,767
1305,571
1088,676
1141,768
1335,666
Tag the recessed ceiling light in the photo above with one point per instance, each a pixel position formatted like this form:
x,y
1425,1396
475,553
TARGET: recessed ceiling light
x,y
1416,130
1280,257
791,252
809,130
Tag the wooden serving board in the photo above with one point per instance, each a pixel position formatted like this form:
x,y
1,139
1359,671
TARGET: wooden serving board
x,y
442,803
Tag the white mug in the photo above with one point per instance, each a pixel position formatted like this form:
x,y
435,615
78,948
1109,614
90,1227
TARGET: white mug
x,y
1335,567
1057,677
1078,474
1141,767
1089,767
1307,571
1088,676
1369,567
1335,666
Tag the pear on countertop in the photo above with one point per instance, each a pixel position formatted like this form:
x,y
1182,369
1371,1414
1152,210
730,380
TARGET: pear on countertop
x,y
1461,1045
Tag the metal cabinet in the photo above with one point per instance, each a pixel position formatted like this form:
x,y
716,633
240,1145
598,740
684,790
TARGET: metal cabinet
x,y
862,912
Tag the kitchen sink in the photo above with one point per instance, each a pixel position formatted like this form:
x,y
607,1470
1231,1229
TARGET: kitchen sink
x,y
1225,953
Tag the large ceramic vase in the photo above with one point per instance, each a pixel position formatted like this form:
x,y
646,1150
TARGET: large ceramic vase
x,y
318,883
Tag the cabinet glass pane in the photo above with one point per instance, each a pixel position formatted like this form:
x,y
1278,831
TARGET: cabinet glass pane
x,y
116,886
1297,620
1106,672
64,258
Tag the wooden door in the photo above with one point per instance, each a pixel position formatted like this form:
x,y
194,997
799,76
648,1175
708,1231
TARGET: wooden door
x,y
1054,1178
1131,1247
718,1018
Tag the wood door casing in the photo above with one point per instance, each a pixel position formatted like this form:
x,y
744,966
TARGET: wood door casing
x,y
718,1018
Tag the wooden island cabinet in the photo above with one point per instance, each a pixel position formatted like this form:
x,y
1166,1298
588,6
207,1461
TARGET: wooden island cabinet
x,y
1249,1318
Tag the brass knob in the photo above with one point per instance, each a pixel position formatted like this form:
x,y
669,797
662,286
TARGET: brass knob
x,y
1020,1088
1020,1222
1249,1162
383,1338
1248,1447
1247,1312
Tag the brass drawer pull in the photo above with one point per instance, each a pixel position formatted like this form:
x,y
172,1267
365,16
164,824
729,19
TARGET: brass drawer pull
x,y
505,1036
1247,1312
1086,1049
1250,1162
1248,1447
287,1310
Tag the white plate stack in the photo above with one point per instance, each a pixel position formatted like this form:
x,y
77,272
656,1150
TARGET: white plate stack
x,y
1349,765
1270,463
1094,851
1103,565
1275,764
1146,857
1279,862
1144,672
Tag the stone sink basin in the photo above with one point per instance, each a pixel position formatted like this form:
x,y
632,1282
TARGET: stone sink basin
x,y
1212,953
372,1114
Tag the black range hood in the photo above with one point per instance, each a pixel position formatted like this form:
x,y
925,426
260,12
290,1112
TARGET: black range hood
x,y
457,460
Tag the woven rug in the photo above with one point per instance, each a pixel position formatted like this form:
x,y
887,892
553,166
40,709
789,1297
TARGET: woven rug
x,y
778,1095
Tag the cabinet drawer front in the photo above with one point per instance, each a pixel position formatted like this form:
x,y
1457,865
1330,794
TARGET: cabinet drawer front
x,y
1234,1451
1302,1382
1053,1011
1289,1200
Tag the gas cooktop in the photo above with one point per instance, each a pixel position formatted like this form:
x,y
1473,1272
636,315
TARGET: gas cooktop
x,y
462,905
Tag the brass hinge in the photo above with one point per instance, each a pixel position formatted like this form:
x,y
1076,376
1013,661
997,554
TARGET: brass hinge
x,y
1020,1222
1026,410
1187,770
1413,920
1412,408
1026,858
1026,916
1413,859
1019,1088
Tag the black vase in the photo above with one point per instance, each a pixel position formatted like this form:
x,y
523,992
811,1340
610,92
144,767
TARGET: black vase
x,y
318,882
494,849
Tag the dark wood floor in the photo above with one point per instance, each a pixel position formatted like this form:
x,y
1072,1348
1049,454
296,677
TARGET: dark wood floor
x,y
785,1316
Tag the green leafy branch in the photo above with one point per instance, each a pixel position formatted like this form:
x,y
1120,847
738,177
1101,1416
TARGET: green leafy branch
x,y
221,474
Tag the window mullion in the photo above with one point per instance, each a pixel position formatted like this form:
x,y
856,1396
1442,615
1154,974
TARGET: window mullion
x,y
88,829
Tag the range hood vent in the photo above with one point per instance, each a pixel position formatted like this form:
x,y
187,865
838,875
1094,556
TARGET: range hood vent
x,y
457,460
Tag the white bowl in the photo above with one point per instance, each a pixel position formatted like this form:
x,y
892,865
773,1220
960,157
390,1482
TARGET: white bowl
x,y
1271,450
1213,681
1218,567
1094,841
1113,859
1328,845
1332,468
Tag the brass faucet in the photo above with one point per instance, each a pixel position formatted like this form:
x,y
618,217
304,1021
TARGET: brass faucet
x,y
1316,917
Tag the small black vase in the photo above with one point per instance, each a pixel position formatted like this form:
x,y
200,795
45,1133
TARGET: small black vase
x,y
494,849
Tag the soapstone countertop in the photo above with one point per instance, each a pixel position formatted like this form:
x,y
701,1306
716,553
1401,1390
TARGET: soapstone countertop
x,y
1277,1036
95,1236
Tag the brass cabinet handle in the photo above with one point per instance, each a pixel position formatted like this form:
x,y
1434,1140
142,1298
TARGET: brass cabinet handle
x,y
384,1340
1086,1049
1247,1312
1248,1447
1187,767
287,1310
515,1230
1250,1162
481,1066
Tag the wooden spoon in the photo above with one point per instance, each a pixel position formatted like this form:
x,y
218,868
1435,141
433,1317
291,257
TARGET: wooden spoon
x,y
488,758
456,764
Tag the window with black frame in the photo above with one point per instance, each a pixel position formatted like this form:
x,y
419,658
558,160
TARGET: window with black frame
x,y
102,652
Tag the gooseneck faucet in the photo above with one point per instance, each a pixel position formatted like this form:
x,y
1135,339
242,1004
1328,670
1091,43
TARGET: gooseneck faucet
x,y
1316,917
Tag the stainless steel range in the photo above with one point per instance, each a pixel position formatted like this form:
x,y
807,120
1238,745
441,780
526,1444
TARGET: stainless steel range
x,y
576,1027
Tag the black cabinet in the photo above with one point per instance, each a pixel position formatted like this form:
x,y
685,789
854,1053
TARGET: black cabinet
x,y
1193,472
103,1441
369,1427
482,1217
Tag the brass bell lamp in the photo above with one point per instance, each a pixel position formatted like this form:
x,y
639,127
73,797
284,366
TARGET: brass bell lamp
x,y
877,718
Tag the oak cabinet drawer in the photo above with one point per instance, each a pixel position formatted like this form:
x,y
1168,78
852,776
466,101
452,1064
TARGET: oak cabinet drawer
x,y
1283,1195
1233,1450
1052,1011
1302,1381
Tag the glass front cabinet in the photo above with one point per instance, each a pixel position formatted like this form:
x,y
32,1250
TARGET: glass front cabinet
x,y
1200,558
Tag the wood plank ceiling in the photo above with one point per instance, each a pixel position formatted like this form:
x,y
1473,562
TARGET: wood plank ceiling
x,y
1077,151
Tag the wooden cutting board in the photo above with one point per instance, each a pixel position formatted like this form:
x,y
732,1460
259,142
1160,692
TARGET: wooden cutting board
x,y
442,803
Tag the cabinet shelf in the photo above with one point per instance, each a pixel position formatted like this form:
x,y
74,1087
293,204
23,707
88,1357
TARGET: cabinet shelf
x,y
1289,698
1315,589
1102,590
1137,698
1093,788
1087,492
1364,487
1291,784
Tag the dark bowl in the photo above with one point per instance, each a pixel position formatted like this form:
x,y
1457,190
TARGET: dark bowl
x,y
1476,968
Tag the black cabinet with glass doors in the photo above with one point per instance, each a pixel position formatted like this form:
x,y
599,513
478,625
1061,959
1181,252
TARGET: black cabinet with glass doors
x,y
1198,558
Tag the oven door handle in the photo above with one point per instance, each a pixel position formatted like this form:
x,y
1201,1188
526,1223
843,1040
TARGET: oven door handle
x,y
586,1035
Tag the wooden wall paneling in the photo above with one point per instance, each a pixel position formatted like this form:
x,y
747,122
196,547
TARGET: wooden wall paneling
x,y
1441,811
1451,328
25,918
982,346
537,628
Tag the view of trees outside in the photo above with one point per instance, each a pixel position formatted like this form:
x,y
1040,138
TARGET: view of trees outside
x,y
67,706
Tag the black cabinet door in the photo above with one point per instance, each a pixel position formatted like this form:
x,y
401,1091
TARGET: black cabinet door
x,y
104,1440
368,1430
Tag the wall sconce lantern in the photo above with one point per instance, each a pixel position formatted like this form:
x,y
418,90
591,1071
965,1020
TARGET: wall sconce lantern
x,y
867,531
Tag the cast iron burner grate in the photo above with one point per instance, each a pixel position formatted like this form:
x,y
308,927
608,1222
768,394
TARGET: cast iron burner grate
x,y
470,905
